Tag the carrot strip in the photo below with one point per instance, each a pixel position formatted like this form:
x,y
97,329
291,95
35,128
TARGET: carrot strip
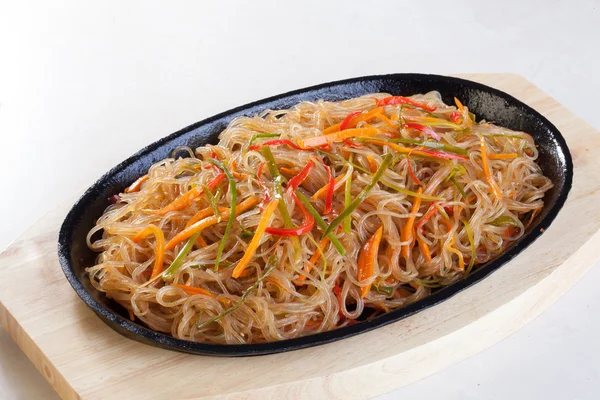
x,y
186,199
313,260
372,164
135,186
201,242
486,170
160,246
407,231
205,212
288,171
508,156
191,290
258,234
337,137
367,259
210,221
425,250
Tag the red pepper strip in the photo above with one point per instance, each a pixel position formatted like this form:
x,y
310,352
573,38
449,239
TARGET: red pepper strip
x,y
439,154
430,212
214,155
277,142
346,120
302,175
411,172
307,223
267,196
395,100
330,188
455,117
424,129
352,144
338,295
114,199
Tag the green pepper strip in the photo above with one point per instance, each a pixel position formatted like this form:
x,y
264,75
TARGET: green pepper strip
x,y
430,283
434,145
271,264
503,220
387,290
212,200
233,191
169,272
320,222
361,196
262,136
348,199
472,243
459,187
383,180
277,179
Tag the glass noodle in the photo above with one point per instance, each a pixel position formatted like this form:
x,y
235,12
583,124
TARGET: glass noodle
x,y
328,213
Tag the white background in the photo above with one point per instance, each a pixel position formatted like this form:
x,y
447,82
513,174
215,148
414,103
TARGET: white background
x,y
83,85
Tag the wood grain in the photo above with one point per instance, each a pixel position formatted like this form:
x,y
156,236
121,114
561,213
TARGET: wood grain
x,y
83,358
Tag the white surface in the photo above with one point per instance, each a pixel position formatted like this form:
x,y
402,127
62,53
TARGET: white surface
x,y
82,86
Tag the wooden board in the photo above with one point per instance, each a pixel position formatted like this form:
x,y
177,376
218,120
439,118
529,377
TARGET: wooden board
x,y
83,358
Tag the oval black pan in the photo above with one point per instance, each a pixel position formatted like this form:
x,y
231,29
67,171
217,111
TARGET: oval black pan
x,y
487,103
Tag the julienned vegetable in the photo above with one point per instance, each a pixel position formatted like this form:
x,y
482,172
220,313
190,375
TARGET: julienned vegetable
x,y
387,159
315,218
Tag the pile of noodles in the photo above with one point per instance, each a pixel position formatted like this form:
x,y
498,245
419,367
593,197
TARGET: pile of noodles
x,y
287,291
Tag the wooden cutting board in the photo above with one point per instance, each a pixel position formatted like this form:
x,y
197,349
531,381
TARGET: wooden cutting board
x,y
83,358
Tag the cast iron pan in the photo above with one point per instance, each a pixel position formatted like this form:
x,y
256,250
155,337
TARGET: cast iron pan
x,y
487,103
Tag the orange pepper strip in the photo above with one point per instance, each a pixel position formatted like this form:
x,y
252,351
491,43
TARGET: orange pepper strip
x,y
258,234
135,186
508,156
191,290
486,170
355,120
317,141
210,221
367,259
160,246
186,199
407,231
313,260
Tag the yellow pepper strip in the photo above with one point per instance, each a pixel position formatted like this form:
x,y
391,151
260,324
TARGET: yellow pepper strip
x,y
461,260
258,234
323,191
486,170
407,231
355,120
210,221
367,259
337,137
160,246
